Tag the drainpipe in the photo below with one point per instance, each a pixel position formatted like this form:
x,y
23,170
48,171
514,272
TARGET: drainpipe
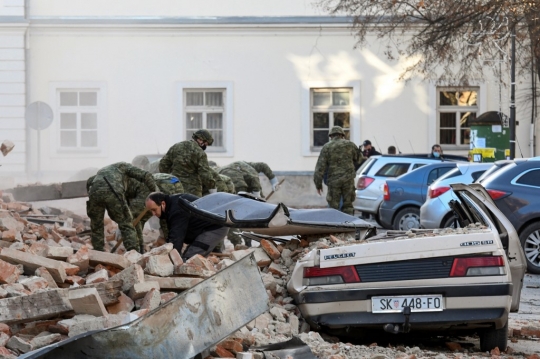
x,y
27,82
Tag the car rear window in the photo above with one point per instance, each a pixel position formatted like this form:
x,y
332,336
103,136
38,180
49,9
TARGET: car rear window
x,y
366,166
436,173
393,169
531,178
489,172
476,175
453,173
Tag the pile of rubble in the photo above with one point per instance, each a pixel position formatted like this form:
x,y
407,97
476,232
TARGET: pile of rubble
x,y
55,286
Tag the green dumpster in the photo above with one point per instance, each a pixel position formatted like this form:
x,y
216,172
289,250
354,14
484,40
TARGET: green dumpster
x,y
490,137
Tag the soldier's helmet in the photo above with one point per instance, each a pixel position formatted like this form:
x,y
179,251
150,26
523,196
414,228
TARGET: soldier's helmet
x,y
141,162
336,130
204,135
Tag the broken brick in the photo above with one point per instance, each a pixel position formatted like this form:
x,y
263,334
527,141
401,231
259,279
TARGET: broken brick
x,y
96,277
159,265
270,249
8,273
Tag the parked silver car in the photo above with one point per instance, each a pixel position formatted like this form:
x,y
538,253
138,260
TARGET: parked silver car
x,y
371,176
435,212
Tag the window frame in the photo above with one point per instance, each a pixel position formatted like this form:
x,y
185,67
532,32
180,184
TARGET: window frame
x,y
329,109
306,112
226,87
101,150
457,111
433,101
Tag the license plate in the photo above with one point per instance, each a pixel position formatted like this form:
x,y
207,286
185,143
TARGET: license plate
x,y
417,303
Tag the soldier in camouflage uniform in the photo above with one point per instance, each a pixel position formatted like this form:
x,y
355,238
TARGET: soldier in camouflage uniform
x,y
244,177
107,191
337,160
187,161
141,162
137,193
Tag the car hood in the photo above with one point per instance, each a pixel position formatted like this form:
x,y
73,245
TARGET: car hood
x,y
273,219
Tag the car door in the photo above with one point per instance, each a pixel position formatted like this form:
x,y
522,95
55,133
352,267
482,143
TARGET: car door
x,y
431,177
507,233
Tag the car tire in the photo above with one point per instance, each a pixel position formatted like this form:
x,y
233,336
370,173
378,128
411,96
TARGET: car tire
x,y
494,338
448,221
407,218
530,241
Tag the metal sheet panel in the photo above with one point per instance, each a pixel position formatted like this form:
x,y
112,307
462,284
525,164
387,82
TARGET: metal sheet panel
x,y
187,325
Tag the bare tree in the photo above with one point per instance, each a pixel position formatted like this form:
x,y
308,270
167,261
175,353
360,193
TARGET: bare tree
x,y
454,39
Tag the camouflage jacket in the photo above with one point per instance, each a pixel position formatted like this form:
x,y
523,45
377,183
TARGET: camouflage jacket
x,y
221,186
242,175
187,161
118,176
337,159
166,183
229,183
262,167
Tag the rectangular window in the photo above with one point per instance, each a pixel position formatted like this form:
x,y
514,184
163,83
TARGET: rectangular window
x,y
455,109
79,113
205,108
329,107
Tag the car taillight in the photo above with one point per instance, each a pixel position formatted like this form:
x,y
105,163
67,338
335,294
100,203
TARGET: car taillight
x,y
497,194
386,192
334,275
475,266
364,182
437,191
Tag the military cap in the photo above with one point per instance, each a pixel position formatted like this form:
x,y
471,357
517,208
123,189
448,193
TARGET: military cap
x,y
204,135
336,130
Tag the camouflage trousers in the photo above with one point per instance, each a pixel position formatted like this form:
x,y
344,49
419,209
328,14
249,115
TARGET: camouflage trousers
x,y
192,188
118,211
342,194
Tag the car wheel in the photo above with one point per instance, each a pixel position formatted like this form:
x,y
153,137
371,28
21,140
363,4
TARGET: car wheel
x,y
530,241
449,222
492,338
407,218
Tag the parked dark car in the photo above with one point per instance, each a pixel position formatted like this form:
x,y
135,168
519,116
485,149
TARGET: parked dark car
x,y
404,195
515,189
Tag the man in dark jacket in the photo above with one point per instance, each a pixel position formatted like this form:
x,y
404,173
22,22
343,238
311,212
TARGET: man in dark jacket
x,y
201,236
369,150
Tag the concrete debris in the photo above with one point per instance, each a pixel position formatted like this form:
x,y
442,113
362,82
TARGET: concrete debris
x,y
53,285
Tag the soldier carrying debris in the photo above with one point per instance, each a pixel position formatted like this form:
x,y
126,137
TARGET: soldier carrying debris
x,y
201,236
107,191
187,161
337,162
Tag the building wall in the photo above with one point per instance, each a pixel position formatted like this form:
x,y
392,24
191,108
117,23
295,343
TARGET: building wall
x,y
139,55
12,87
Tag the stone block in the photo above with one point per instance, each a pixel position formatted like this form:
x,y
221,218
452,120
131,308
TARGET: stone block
x,y
7,223
201,261
4,338
44,340
67,231
165,297
261,257
8,273
192,270
6,354
224,263
97,277
80,259
277,269
270,249
39,249
19,344
35,283
125,304
139,290
114,260
232,346
133,256
175,257
82,323
87,301
172,283
151,300
295,323
11,235
75,279
159,265
32,262
130,276
239,254
44,273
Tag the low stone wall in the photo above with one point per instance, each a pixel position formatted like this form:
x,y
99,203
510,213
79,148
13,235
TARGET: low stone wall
x,y
297,191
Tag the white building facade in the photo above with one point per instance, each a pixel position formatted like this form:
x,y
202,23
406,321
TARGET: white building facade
x,y
269,79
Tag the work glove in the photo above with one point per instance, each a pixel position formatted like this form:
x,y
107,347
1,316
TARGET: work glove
x,y
275,185
212,190
257,194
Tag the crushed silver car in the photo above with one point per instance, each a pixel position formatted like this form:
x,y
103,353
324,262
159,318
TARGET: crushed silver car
x,y
442,280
